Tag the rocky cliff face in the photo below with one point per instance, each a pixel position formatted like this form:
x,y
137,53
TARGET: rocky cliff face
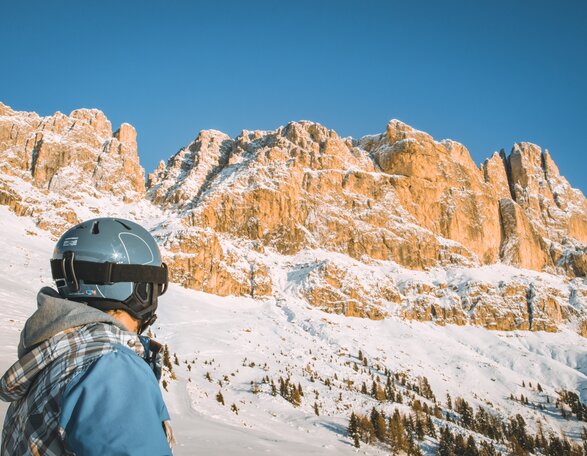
x,y
65,158
400,196
360,227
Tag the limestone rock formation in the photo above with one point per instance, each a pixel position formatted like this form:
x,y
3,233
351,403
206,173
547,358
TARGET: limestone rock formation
x,y
335,287
66,158
390,225
197,259
298,187
506,306
398,197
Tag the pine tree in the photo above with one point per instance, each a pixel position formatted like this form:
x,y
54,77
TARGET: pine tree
x,y
220,397
413,448
540,439
471,449
430,429
166,358
463,408
353,429
520,442
296,399
437,411
374,390
366,431
364,389
445,444
397,436
378,422
316,410
419,428
460,446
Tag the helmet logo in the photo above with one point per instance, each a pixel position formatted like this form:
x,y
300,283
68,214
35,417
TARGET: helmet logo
x,y
70,242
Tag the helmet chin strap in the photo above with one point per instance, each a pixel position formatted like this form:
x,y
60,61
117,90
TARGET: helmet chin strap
x,y
146,323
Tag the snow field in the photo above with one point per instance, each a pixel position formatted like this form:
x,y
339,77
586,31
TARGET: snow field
x,y
239,340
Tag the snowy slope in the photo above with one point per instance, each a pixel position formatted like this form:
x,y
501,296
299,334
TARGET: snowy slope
x,y
237,341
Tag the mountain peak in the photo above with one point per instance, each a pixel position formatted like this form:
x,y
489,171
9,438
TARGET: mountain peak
x,y
71,157
398,198
5,110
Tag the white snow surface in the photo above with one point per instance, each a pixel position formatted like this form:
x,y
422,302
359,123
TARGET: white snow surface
x,y
241,340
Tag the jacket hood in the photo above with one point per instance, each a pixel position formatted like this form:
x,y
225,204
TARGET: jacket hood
x,y
55,314
51,334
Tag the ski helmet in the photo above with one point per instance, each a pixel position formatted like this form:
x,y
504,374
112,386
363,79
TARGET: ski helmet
x,y
111,263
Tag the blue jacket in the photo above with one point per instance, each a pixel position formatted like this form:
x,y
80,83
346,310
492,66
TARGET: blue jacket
x,y
89,389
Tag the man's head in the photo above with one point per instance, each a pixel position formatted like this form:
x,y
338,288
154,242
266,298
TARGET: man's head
x,y
111,264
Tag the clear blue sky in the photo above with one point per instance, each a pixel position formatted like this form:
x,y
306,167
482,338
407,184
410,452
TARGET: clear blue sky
x,y
486,74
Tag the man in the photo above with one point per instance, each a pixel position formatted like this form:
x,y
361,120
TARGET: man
x,y
86,381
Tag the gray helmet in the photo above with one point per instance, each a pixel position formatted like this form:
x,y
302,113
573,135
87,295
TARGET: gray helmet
x,y
111,263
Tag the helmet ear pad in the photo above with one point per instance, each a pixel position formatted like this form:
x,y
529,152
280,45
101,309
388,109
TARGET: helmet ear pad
x,y
141,305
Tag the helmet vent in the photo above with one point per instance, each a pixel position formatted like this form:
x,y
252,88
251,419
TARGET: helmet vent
x,y
125,225
96,228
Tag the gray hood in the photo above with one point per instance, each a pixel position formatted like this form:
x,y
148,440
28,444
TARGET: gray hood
x,y
55,314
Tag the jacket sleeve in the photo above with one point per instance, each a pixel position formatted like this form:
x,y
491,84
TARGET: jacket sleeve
x,y
116,408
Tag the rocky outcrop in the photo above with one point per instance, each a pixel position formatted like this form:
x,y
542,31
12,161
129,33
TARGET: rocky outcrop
x,y
496,297
521,244
232,213
398,197
73,157
184,178
441,187
337,288
506,306
301,186
73,150
197,259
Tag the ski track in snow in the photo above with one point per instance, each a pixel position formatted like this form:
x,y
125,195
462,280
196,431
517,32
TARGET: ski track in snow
x,y
224,336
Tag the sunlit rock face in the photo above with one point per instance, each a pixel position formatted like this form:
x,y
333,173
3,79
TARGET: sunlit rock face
x,y
65,158
399,197
358,227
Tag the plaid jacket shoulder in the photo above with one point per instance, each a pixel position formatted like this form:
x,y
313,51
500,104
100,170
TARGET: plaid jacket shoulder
x,y
35,385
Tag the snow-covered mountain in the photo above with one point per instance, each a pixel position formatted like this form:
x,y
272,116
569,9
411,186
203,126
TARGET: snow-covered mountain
x,y
301,230
391,224
231,345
